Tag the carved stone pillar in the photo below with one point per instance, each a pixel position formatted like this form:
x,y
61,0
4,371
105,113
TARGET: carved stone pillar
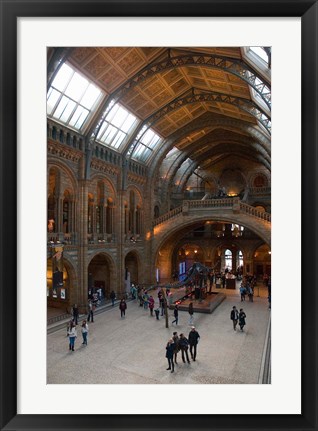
x,y
80,293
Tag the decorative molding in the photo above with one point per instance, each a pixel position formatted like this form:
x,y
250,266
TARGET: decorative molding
x,y
60,150
136,179
104,167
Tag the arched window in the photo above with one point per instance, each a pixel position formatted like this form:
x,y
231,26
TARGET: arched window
x,y
156,211
240,258
138,220
66,212
90,214
100,208
228,259
109,216
260,181
131,221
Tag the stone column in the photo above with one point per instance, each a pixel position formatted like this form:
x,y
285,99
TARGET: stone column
x,y
60,214
81,291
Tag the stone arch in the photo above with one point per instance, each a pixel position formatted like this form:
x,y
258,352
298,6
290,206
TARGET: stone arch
x,y
132,264
68,294
241,219
210,122
98,278
259,178
62,166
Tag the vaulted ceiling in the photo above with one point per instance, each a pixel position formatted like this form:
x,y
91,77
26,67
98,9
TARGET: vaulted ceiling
x,y
212,104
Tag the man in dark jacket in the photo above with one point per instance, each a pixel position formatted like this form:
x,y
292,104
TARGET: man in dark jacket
x,y
170,348
193,341
184,345
234,317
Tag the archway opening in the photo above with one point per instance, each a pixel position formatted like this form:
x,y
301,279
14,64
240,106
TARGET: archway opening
x,y
99,276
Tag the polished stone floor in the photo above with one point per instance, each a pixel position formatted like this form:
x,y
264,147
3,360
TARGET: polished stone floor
x,y
131,350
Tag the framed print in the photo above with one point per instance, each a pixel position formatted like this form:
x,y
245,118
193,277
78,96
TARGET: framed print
x,y
155,59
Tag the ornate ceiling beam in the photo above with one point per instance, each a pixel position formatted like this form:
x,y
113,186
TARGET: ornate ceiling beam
x,y
227,64
195,95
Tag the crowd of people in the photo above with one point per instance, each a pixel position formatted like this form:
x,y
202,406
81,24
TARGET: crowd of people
x,y
157,308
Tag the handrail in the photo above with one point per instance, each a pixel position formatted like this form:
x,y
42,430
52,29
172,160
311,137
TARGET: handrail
x,y
248,209
211,203
214,203
167,216
265,369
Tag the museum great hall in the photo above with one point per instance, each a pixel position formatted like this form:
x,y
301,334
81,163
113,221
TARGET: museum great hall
x,y
156,158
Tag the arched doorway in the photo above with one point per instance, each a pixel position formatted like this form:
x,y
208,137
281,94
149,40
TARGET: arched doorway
x,y
59,280
262,261
131,269
99,277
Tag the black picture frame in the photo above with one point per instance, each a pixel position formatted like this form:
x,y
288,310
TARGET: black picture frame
x,y
308,11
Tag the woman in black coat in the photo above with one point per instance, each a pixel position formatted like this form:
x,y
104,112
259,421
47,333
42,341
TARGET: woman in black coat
x,y
242,317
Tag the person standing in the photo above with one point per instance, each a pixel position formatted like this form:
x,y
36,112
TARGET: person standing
x,y
242,317
234,317
91,307
151,305
190,310
162,304
145,300
84,332
176,314
175,338
184,346
75,314
193,342
72,334
122,307
250,292
169,354
113,297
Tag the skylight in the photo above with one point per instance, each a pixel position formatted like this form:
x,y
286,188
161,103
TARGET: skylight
x,y
260,52
116,125
71,97
147,140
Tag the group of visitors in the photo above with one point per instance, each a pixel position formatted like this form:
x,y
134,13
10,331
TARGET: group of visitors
x,y
247,288
72,331
180,343
238,317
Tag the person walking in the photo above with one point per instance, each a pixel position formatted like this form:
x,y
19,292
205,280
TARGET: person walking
x,y
75,314
184,346
175,338
243,291
72,335
84,332
91,308
112,297
157,312
242,317
190,310
234,316
122,307
176,314
151,305
193,342
169,354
